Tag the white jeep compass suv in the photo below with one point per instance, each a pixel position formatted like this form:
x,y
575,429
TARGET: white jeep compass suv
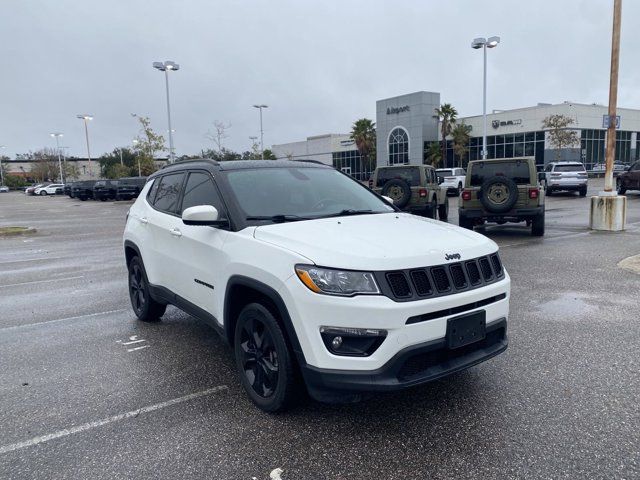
x,y
313,279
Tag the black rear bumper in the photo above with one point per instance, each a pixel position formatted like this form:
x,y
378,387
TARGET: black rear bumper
x,y
411,366
518,214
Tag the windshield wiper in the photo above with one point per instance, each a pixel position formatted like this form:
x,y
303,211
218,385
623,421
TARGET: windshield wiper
x,y
278,218
347,212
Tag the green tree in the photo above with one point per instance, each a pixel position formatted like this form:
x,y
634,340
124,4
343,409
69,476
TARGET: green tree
x,y
433,155
222,155
363,133
268,154
3,165
111,166
446,114
44,166
560,136
147,145
461,134
14,181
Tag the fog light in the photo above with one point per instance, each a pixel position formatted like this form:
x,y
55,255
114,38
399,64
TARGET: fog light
x,y
353,342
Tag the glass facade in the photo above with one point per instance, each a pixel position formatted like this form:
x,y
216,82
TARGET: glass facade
x,y
526,144
592,145
623,147
350,162
398,146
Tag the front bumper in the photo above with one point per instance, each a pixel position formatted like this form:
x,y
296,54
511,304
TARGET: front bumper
x,y
411,366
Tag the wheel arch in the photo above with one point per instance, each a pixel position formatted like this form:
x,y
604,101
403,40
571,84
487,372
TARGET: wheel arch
x,y
131,250
243,290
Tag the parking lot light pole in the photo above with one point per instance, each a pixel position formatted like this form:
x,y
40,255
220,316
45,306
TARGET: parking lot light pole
x,y
57,136
260,107
484,43
135,142
166,67
86,119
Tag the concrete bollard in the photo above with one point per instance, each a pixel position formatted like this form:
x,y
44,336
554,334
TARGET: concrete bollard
x,y
608,212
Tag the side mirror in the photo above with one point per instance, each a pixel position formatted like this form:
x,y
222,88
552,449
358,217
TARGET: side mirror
x,y
440,180
388,199
205,215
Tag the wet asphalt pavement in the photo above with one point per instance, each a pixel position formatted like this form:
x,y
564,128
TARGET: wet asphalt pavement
x,y
88,392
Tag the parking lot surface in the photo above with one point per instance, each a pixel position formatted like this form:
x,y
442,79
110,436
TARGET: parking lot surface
x,y
86,391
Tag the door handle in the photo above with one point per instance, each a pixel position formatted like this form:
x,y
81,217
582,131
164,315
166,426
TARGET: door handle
x,y
175,232
144,220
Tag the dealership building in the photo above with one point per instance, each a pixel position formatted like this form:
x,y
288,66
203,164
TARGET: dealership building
x,y
406,125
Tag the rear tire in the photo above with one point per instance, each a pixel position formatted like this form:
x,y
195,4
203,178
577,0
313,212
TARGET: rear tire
x,y
583,192
537,225
43,193
145,307
443,210
547,189
263,359
432,209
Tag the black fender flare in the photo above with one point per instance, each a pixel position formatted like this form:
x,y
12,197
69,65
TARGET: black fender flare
x,y
271,294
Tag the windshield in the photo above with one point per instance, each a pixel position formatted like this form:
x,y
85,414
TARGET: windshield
x,y
517,171
300,192
569,168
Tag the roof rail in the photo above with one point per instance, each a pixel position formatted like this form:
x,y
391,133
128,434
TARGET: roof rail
x,y
309,161
187,160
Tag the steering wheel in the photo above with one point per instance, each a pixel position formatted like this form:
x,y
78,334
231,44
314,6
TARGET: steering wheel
x,y
325,202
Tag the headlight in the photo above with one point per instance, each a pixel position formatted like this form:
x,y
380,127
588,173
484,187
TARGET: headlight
x,y
337,282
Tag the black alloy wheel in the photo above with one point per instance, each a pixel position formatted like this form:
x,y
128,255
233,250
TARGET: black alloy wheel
x,y
263,359
145,307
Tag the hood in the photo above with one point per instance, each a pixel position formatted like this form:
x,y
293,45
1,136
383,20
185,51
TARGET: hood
x,y
386,241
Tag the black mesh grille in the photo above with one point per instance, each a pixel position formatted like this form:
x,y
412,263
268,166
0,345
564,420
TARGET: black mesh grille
x,y
474,273
421,282
440,278
497,265
399,285
457,275
486,268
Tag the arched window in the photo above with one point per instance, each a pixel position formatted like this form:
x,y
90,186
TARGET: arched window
x,y
398,146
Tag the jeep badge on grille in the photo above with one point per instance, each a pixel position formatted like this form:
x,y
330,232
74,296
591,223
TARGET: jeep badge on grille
x,y
452,256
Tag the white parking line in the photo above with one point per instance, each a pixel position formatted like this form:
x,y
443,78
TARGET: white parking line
x,y
115,418
137,348
41,281
46,322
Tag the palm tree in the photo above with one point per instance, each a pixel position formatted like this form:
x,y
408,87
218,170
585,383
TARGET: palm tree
x,y
446,114
433,154
460,135
363,132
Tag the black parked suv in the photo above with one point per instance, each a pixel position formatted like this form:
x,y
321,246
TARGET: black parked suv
x,y
130,187
67,189
82,190
105,190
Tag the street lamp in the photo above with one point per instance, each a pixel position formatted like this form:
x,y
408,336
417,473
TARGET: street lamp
x,y
135,142
484,43
166,67
86,119
260,107
1,172
57,136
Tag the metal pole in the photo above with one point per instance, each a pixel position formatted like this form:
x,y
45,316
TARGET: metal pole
x,y
121,161
59,158
484,105
1,172
261,136
86,134
166,77
613,96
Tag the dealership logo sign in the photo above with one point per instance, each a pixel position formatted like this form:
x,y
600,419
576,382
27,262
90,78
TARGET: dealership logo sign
x,y
396,110
505,123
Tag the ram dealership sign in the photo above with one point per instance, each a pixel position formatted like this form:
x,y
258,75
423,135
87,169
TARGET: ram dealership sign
x,y
505,123
392,110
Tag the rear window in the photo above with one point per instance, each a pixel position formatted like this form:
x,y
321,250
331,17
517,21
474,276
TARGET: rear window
x,y
569,168
517,171
411,175
444,173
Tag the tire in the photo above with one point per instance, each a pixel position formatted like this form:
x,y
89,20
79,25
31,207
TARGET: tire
x,y
267,370
537,225
432,209
43,193
443,210
145,307
83,199
499,194
465,223
583,192
620,188
547,189
399,190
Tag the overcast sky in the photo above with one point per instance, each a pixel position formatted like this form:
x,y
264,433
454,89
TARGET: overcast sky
x,y
319,65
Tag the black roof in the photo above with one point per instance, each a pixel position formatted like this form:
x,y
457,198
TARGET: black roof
x,y
243,164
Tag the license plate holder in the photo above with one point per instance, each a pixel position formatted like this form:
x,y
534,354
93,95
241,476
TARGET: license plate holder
x,y
466,329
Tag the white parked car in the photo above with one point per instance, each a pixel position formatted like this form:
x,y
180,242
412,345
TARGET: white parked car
x,y
50,189
313,278
567,176
4,189
452,179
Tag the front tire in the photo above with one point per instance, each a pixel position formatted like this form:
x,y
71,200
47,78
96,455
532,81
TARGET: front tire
x,y
443,210
263,359
43,193
145,307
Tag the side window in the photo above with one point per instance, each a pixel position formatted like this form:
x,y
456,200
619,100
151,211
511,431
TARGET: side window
x,y
200,190
152,191
548,168
168,193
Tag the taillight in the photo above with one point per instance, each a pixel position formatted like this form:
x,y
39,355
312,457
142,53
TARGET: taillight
x,y
534,193
466,195
423,193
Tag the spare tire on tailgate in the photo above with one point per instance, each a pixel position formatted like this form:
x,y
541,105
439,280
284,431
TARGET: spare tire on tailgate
x,y
398,190
499,194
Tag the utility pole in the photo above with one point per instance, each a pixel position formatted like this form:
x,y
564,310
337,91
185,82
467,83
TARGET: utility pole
x,y
613,97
